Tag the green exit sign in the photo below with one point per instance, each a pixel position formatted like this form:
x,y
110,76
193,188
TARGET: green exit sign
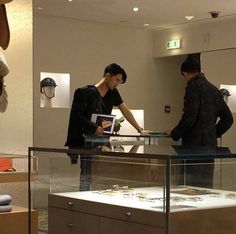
x,y
172,44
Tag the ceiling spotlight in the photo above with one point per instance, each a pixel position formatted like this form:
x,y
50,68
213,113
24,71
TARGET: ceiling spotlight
x,y
189,17
70,0
135,9
146,25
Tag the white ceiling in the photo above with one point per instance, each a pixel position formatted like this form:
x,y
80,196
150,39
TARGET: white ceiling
x,y
157,13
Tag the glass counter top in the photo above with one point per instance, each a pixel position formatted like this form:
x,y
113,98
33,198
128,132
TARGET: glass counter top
x,y
173,152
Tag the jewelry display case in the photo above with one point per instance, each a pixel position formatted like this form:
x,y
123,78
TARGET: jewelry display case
x,y
139,189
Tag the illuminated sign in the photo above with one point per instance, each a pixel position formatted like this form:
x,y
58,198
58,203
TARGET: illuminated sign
x,y
173,44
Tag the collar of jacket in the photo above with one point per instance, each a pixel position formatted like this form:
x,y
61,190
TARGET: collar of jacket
x,y
197,76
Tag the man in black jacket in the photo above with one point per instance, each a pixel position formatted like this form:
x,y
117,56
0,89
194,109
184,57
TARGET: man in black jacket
x,y
199,127
99,99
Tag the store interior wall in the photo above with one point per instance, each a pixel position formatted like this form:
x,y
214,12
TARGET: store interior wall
x,y
215,34
170,91
219,67
215,40
16,124
83,49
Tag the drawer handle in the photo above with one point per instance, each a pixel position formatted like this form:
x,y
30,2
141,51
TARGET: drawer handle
x,y
128,213
70,225
70,204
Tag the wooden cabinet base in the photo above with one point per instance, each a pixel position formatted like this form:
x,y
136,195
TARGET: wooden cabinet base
x,y
16,221
108,226
209,221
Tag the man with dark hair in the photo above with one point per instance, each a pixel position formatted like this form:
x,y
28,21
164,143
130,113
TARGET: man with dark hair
x,y
115,69
198,126
100,99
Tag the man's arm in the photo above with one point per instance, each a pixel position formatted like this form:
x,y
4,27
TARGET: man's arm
x,y
191,107
226,119
77,116
129,116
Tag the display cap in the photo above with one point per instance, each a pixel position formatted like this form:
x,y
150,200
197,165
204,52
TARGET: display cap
x,y
224,92
48,81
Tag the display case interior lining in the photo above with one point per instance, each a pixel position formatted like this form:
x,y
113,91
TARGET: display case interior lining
x,y
151,198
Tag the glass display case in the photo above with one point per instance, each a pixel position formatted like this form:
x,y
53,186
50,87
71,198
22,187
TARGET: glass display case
x,y
134,189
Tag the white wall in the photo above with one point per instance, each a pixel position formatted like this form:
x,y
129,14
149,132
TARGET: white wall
x,y
16,124
83,49
215,40
204,36
220,68
170,91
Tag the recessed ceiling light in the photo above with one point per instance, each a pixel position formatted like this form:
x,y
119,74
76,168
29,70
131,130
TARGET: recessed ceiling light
x,y
189,17
146,25
70,0
135,9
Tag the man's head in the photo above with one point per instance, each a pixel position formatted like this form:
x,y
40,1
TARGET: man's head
x,y
114,75
189,68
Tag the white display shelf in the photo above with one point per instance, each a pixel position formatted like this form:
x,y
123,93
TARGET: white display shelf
x,y
151,198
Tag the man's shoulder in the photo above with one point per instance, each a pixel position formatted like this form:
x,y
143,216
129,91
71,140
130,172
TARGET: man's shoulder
x,y
199,81
205,82
85,89
113,92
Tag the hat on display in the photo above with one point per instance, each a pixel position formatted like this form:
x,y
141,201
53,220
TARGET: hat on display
x,y
224,92
48,81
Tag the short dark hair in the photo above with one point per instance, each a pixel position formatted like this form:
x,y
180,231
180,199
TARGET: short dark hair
x,y
190,65
115,69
